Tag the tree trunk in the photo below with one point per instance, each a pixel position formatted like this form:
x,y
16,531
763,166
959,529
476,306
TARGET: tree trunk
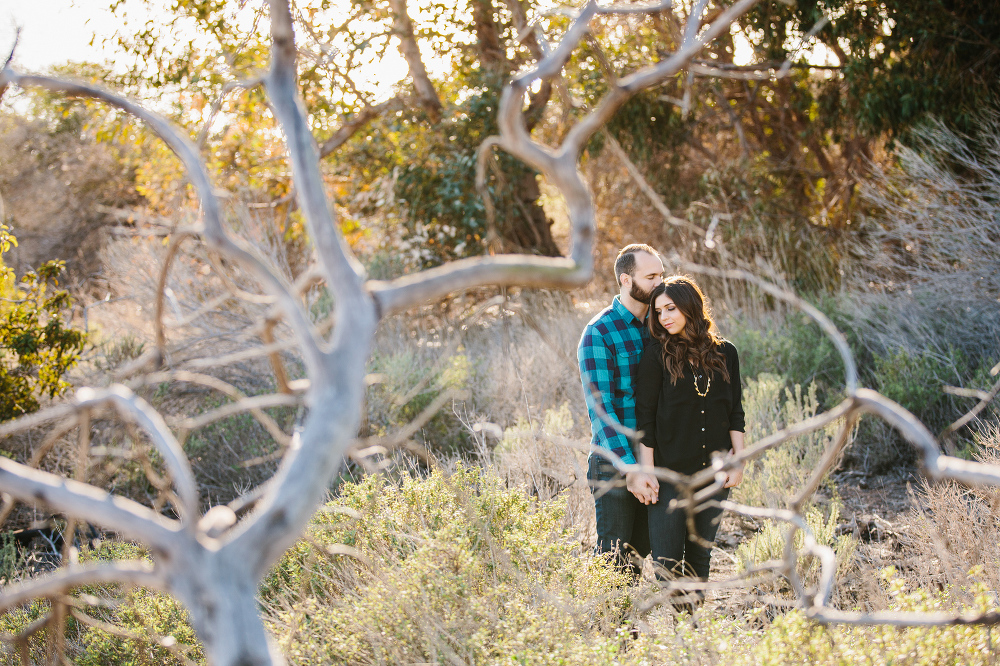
x,y
221,595
529,227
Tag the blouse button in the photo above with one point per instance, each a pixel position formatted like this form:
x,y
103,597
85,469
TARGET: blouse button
x,y
703,430
703,411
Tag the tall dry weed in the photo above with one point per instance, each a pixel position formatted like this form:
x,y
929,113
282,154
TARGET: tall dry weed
x,y
927,270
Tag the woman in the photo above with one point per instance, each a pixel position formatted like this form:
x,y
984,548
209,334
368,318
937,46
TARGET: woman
x,y
688,405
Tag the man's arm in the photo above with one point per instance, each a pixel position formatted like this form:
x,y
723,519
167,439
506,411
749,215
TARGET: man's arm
x,y
597,370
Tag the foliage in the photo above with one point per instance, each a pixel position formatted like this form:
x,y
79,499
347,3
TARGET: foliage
x,y
156,624
407,174
794,639
774,477
791,346
409,383
36,346
11,560
769,544
130,627
446,567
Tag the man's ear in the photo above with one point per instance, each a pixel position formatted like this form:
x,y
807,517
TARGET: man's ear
x,y
624,280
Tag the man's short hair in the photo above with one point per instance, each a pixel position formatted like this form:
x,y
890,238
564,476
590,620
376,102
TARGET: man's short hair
x,y
625,263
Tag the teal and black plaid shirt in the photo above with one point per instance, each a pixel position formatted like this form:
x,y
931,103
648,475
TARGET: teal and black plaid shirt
x,y
609,354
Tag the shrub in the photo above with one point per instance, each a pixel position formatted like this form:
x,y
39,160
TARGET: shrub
x,y
769,544
790,345
794,639
126,627
36,347
444,568
408,383
772,478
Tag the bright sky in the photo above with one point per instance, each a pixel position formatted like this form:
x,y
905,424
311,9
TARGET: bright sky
x,y
54,31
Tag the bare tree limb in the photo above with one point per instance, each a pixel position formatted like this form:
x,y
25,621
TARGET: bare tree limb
x,y
985,398
88,503
189,156
357,122
403,27
241,405
62,580
225,388
133,408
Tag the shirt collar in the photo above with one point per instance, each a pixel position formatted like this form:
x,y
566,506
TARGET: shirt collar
x,y
624,312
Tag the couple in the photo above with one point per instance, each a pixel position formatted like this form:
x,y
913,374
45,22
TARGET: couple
x,y
652,361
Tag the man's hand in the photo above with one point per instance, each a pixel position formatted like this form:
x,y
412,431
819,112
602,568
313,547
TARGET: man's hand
x,y
644,486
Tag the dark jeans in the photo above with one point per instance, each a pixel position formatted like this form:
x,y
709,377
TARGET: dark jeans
x,y
622,526
668,534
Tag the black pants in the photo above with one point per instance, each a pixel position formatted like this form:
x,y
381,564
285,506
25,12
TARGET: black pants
x,y
622,526
669,538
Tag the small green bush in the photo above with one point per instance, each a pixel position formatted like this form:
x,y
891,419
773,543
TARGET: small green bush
x,y
36,347
445,568
769,544
774,477
794,639
792,346
408,384
145,622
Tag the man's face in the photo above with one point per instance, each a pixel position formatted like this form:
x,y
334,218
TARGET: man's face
x,y
647,276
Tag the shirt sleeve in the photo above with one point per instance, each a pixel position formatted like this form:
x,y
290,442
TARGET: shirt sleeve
x,y
737,419
648,384
597,372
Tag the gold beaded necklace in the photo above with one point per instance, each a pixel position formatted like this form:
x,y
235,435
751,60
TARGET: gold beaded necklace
x,y
694,377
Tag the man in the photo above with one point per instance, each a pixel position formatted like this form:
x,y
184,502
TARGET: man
x,y
609,354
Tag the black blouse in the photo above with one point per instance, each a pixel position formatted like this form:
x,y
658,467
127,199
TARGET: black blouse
x,y
678,424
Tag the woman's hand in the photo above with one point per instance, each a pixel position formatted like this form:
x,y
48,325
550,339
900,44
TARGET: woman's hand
x,y
734,477
645,487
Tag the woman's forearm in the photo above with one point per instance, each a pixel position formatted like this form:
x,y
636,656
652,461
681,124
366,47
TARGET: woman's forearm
x,y
735,476
736,437
645,456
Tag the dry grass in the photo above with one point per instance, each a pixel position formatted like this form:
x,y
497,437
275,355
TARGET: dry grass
x,y
928,273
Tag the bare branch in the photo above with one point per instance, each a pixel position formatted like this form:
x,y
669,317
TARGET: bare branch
x,y
504,270
643,185
62,580
249,84
355,123
185,149
830,457
225,388
88,503
828,327
985,398
935,464
133,408
341,270
242,405
578,136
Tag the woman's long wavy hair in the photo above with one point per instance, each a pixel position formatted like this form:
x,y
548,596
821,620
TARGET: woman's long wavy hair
x,y
699,343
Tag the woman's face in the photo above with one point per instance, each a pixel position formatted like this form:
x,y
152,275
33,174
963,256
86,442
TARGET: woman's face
x,y
670,316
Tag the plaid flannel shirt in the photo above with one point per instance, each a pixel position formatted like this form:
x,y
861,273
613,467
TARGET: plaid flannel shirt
x,y
609,354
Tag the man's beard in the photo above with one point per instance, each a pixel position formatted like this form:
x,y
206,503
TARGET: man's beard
x,y
638,294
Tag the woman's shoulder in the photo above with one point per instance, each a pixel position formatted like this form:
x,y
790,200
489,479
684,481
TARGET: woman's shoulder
x,y
727,347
